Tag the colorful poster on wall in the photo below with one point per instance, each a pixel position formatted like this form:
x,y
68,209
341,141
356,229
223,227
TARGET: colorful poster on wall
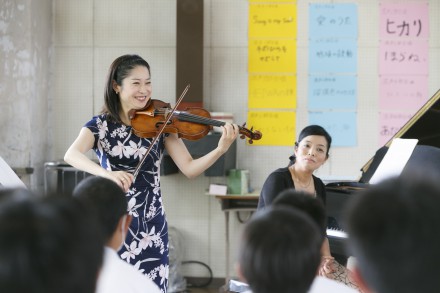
x,y
333,55
403,63
271,1
390,123
275,91
404,20
340,125
404,57
272,56
328,92
333,20
405,93
277,128
272,21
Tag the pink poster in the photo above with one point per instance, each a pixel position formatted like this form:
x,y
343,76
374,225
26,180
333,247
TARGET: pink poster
x,y
389,124
404,57
406,93
404,20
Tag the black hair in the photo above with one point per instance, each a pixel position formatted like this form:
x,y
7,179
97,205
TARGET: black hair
x,y
312,206
106,200
48,245
15,194
392,232
118,71
312,130
280,251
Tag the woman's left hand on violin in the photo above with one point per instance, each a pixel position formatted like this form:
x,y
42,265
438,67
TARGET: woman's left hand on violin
x,y
229,135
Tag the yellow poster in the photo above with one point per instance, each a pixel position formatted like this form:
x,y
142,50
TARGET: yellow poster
x,y
272,56
272,21
272,1
275,91
277,128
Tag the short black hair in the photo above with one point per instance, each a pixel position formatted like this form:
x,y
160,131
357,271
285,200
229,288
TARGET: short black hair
x,y
280,251
392,228
305,202
105,198
48,245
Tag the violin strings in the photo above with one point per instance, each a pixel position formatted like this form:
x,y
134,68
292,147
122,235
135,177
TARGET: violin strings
x,y
184,116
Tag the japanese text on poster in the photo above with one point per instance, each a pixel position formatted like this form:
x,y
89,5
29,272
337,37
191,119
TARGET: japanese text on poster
x,y
272,91
333,20
340,125
272,56
278,128
332,92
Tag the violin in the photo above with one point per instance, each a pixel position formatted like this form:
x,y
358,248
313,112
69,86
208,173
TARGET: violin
x,y
157,117
192,123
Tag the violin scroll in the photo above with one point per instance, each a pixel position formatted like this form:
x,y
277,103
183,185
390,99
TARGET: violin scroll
x,y
252,135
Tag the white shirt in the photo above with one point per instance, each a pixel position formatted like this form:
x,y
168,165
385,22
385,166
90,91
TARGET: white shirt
x,y
325,285
117,276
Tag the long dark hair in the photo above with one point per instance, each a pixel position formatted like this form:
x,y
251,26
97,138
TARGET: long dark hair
x,y
311,130
119,69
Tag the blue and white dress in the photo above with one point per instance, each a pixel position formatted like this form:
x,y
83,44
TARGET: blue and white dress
x,y
119,149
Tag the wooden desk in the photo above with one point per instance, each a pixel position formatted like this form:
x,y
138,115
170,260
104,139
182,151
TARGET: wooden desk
x,y
235,203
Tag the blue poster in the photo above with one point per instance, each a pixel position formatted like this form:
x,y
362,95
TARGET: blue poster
x,y
333,55
330,92
342,126
333,20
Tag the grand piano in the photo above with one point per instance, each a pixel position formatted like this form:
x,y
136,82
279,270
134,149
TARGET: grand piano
x,y
424,126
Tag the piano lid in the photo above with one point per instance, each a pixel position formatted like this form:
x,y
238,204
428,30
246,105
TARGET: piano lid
x,y
424,126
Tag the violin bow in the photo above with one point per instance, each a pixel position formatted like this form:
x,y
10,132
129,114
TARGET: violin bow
x,y
141,162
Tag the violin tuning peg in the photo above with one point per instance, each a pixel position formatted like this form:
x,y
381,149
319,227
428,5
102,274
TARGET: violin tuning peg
x,y
251,141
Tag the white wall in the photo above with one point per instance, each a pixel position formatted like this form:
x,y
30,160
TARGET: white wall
x,y
25,84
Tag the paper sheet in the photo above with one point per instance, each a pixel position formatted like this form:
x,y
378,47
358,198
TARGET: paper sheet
x,y
395,159
8,178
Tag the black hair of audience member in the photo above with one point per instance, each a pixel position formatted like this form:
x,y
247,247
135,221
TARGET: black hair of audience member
x,y
392,229
48,245
15,194
303,201
280,251
311,130
106,199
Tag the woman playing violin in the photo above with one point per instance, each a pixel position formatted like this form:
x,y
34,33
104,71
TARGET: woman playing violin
x,y
119,151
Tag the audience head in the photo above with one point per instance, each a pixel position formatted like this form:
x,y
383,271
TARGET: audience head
x,y
45,246
392,229
14,194
312,206
107,201
310,130
279,251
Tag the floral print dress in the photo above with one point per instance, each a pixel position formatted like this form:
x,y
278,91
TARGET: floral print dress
x,y
119,149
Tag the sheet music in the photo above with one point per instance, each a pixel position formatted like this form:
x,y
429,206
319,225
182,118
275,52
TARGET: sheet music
x,y
395,159
8,178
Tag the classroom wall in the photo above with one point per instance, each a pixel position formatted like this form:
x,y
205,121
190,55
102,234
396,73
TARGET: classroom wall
x,y
89,34
25,86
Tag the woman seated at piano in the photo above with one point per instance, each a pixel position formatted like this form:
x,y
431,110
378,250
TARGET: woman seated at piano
x,y
311,151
